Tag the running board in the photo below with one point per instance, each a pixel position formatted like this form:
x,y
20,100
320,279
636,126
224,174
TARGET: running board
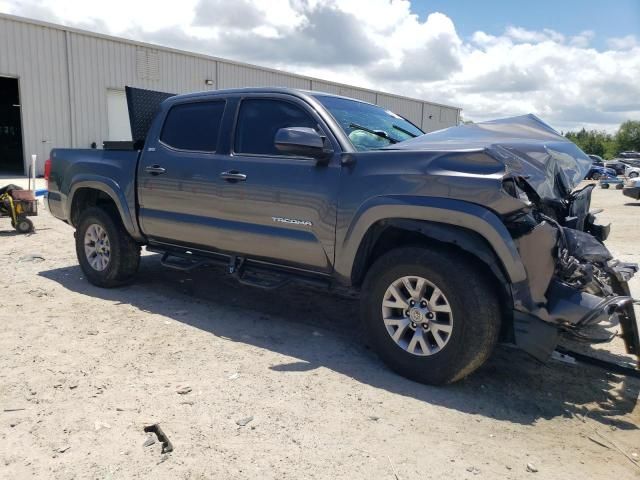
x,y
179,262
245,271
252,278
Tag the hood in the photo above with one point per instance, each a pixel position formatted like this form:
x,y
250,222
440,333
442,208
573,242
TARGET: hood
x,y
527,147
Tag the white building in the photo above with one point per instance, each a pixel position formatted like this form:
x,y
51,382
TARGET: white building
x,y
63,87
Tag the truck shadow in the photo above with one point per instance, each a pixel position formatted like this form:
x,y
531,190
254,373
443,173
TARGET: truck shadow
x,y
322,330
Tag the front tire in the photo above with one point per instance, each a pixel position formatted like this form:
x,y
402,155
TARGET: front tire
x,y
633,175
107,254
429,314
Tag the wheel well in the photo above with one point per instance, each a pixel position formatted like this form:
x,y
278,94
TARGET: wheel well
x,y
389,234
90,197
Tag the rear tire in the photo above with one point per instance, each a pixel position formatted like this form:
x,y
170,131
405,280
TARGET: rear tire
x,y
107,254
633,174
595,176
471,299
604,185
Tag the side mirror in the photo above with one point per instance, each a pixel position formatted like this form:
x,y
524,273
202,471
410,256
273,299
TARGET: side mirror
x,y
302,141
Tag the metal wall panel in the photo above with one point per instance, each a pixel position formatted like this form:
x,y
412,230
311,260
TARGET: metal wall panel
x,y
436,117
355,92
231,75
100,64
410,109
64,75
36,56
326,87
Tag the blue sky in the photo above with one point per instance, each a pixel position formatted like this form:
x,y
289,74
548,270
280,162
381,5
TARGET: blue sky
x,y
607,18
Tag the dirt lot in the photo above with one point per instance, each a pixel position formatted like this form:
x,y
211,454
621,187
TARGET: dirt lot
x,y
85,369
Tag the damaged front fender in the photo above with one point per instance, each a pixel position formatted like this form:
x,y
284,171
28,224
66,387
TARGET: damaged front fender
x,y
573,287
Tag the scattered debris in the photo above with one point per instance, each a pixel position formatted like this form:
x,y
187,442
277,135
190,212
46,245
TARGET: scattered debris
x,y
393,468
99,425
563,357
34,257
531,468
598,442
183,390
149,441
92,332
374,418
473,470
13,409
63,449
38,292
167,446
244,421
73,385
233,376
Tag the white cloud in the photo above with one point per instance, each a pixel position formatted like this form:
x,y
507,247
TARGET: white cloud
x,y
382,44
623,43
531,36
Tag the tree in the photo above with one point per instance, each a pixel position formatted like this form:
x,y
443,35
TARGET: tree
x,y
628,136
592,141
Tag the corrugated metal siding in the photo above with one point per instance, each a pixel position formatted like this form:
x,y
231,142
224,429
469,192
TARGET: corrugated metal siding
x,y
354,92
326,87
99,64
409,109
64,76
236,76
36,56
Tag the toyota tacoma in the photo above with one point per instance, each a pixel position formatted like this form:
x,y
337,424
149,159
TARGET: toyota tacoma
x,y
453,240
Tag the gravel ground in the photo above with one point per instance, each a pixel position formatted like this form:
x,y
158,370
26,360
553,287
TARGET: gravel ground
x,y
255,384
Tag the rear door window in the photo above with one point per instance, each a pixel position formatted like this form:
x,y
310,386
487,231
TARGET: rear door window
x,y
193,126
260,118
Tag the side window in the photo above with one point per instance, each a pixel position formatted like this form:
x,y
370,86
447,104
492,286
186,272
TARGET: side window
x,y
193,126
259,120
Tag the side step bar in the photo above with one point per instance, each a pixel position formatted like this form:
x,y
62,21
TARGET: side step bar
x,y
245,271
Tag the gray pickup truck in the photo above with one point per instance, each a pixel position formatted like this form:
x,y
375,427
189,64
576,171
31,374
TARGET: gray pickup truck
x,y
453,240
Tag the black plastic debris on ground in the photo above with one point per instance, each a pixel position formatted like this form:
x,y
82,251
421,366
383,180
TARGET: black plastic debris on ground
x,y
167,446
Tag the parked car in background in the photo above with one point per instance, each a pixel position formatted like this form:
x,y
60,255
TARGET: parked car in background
x,y
618,165
632,172
596,172
630,155
597,160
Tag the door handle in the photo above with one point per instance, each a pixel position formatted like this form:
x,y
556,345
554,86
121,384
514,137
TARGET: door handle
x,y
155,170
233,176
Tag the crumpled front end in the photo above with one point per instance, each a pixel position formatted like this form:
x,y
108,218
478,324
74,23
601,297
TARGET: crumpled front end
x,y
574,286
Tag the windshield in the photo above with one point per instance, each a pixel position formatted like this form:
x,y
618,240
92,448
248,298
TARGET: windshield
x,y
368,126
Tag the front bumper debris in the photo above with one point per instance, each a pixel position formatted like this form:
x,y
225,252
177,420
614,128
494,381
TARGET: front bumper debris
x,y
574,287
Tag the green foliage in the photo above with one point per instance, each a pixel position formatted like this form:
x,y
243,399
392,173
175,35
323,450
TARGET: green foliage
x,y
628,136
606,145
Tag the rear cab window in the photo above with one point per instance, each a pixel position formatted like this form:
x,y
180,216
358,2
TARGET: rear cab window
x,y
193,126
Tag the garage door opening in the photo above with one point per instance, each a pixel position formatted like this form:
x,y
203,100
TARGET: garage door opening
x,y
11,157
